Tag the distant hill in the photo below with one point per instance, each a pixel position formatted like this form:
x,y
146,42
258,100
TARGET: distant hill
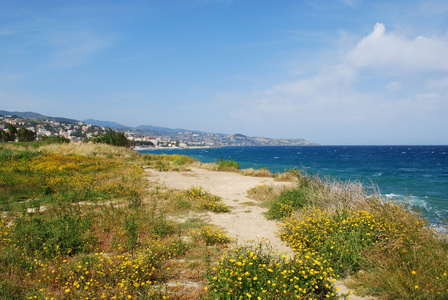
x,y
36,116
165,130
106,124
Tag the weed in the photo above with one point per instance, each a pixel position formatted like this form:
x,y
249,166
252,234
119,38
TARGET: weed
x,y
263,172
131,228
200,199
52,234
400,257
264,193
255,271
288,201
211,235
227,165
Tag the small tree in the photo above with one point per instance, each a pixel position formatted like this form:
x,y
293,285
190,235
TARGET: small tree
x,y
26,135
10,135
114,138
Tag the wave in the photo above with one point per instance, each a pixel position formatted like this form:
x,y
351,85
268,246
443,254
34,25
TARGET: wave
x,y
434,214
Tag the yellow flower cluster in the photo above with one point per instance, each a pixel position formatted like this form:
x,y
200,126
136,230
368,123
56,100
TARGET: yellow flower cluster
x,y
211,235
199,198
4,233
48,174
256,272
390,243
340,237
110,276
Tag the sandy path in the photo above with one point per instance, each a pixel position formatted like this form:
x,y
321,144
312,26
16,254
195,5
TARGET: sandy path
x,y
244,222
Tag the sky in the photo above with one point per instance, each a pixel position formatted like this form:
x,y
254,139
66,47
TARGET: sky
x,y
341,72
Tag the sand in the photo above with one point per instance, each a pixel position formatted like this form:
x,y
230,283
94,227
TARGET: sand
x,y
245,221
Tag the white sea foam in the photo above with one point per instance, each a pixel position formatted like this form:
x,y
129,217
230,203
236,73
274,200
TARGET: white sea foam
x,y
433,214
392,196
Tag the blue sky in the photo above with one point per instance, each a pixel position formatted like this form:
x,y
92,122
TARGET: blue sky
x,y
332,72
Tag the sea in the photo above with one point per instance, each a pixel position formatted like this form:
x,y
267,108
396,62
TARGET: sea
x,y
417,175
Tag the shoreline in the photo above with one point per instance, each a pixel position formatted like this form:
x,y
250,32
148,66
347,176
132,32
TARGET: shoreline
x,y
413,175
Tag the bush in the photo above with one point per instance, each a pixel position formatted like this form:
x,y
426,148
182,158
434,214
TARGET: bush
x,y
26,135
400,256
257,272
114,138
51,235
198,198
211,235
285,204
227,165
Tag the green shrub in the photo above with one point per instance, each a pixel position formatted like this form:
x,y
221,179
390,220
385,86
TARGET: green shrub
x,y
285,204
182,160
211,235
131,228
401,258
227,165
198,198
53,234
114,138
162,227
257,272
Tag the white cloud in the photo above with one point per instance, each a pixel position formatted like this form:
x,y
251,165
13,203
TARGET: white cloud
x,y
50,42
382,50
73,48
343,104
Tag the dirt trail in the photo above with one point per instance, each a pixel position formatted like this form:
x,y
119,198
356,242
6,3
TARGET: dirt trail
x,y
245,222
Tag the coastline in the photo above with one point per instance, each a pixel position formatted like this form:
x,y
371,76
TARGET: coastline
x,y
416,175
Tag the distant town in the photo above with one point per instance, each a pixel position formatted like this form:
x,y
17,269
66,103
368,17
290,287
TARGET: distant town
x,y
141,137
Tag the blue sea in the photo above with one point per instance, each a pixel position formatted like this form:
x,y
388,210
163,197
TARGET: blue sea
x,y
417,175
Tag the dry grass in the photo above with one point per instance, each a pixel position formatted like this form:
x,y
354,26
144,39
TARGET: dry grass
x,y
286,176
336,195
264,172
265,193
101,150
122,235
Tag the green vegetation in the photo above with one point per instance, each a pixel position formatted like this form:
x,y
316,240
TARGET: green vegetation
x,y
256,271
164,162
211,235
82,222
198,198
10,134
78,221
47,140
288,201
227,165
114,138
25,135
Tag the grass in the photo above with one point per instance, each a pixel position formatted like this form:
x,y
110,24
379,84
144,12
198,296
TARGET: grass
x,y
102,232
263,172
264,193
389,250
254,271
227,165
288,201
198,198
